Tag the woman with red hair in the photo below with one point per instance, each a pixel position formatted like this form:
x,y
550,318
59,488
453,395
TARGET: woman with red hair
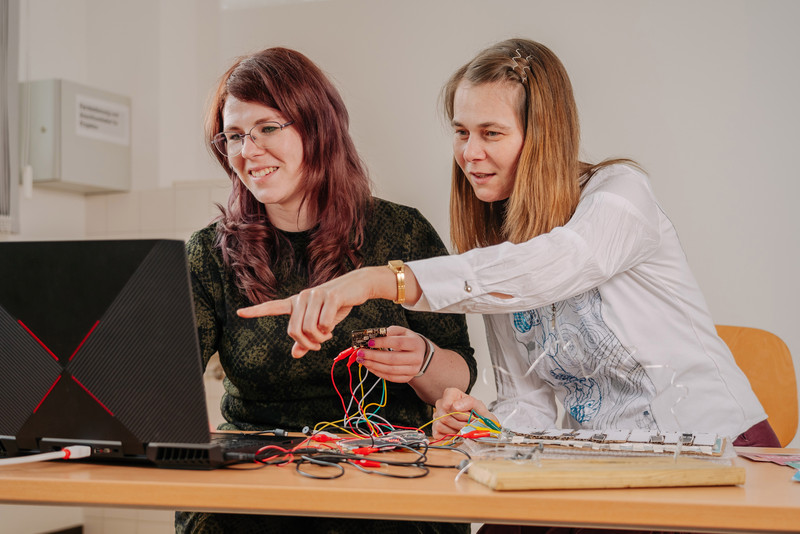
x,y
300,213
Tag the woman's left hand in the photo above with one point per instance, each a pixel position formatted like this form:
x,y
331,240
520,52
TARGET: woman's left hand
x,y
453,411
402,363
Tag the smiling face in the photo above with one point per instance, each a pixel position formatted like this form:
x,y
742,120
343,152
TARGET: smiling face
x,y
488,137
274,175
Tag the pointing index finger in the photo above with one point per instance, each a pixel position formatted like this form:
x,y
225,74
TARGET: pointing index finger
x,y
273,307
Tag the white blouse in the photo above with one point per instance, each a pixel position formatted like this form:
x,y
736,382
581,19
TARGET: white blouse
x,y
604,315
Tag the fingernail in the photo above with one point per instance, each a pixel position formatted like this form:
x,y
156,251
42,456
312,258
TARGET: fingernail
x,y
360,357
371,342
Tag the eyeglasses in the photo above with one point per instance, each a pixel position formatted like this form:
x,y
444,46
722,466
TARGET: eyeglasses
x,y
264,135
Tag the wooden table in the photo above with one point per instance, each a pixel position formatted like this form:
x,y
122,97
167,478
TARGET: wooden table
x,y
769,501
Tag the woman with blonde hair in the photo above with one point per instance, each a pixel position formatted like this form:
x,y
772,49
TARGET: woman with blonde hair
x,y
587,295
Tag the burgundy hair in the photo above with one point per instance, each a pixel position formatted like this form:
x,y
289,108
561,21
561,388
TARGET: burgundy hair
x,y
335,181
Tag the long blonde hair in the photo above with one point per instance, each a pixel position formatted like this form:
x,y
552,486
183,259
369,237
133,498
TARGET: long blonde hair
x,y
547,185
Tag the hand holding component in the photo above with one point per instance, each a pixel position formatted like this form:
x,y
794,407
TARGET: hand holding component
x,y
397,357
453,411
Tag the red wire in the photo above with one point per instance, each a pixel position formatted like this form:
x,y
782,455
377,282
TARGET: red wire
x,y
342,355
353,395
285,452
359,405
443,438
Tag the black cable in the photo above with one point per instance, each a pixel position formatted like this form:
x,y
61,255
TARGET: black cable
x,y
448,448
272,455
315,461
424,470
275,455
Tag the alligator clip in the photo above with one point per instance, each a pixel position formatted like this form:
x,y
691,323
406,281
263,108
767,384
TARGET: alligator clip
x,y
349,351
476,434
353,357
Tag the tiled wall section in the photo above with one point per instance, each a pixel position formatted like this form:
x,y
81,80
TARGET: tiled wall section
x,y
161,213
158,213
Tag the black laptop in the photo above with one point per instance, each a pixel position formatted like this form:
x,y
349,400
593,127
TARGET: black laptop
x,y
98,347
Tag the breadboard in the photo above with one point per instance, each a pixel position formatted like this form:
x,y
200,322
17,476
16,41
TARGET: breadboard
x,y
603,473
631,442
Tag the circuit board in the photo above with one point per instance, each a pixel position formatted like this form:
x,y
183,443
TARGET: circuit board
x,y
641,442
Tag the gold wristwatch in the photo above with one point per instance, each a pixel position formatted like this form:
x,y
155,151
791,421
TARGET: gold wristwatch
x,y
398,269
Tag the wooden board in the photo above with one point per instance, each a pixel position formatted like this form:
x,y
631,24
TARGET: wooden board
x,y
603,473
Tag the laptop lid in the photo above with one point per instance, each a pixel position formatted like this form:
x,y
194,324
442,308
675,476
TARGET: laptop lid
x,y
98,346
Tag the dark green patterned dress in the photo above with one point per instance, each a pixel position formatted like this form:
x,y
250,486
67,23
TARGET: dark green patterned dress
x,y
266,388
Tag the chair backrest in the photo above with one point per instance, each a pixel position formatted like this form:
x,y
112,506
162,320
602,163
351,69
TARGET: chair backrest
x,y
766,361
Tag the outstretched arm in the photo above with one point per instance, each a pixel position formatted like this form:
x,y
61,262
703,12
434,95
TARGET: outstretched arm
x,y
317,310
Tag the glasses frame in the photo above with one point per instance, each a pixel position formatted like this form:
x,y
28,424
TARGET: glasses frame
x,y
244,135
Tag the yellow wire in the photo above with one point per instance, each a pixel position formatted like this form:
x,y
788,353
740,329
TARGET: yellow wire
x,y
470,422
327,424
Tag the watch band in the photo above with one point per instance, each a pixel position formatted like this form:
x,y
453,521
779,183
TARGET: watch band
x,y
398,269
430,348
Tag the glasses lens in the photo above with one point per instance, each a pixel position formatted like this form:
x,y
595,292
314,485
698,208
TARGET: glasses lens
x,y
221,143
265,134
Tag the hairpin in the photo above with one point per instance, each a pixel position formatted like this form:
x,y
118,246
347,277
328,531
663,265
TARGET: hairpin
x,y
519,68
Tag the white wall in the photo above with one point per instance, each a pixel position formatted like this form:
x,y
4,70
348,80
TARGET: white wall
x,y
701,92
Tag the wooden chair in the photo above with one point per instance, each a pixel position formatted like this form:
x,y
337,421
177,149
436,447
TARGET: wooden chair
x,y
767,362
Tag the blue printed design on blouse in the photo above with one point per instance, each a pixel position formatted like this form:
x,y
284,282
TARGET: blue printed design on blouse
x,y
599,382
524,320
584,398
